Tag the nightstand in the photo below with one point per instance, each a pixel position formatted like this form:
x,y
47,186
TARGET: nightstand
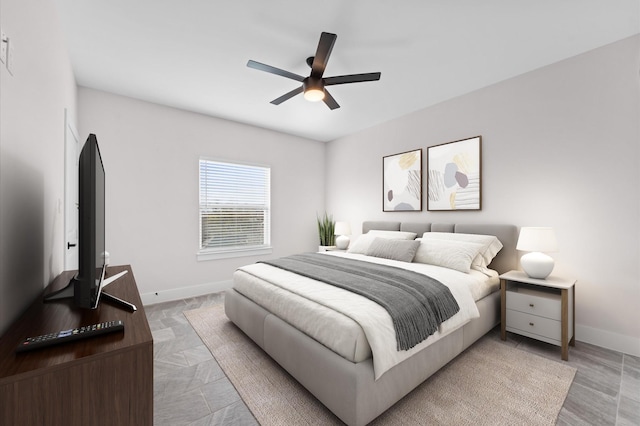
x,y
540,309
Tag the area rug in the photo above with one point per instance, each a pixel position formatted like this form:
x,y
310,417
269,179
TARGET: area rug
x,y
491,383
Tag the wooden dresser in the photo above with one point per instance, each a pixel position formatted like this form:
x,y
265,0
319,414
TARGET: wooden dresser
x,y
102,380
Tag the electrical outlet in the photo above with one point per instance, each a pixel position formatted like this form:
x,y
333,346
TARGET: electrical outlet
x,y
4,41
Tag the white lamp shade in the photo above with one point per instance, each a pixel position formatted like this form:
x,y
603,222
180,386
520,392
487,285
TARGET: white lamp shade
x,y
537,240
342,228
541,239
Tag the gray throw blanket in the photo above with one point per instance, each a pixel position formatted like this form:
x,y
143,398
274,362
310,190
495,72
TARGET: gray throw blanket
x,y
417,304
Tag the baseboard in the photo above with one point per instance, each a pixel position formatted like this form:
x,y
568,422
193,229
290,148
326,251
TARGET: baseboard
x,y
606,339
184,292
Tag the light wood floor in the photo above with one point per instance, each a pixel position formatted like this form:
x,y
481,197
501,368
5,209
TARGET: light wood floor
x,y
191,389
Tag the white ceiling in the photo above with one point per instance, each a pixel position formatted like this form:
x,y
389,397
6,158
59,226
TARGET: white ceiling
x,y
192,54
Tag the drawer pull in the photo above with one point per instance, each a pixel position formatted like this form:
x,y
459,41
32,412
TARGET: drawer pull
x,y
531,324
531,305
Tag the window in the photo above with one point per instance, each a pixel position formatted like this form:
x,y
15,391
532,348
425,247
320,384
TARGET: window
x,y
234,209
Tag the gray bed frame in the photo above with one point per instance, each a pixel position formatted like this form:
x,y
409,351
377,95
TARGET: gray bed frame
x,y
346,388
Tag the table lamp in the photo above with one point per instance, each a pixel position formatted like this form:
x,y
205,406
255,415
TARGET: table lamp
x,y
342,229
537,241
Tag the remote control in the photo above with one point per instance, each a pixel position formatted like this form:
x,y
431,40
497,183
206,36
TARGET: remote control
x,y
69,335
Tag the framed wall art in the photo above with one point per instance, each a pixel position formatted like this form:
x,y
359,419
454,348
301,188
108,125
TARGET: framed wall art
x,y
454,175
402,182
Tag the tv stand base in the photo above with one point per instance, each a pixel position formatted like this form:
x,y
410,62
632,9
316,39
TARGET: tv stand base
x,y
116,301
68,292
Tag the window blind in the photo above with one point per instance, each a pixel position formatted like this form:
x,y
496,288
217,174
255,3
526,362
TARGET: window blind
x,y
234,206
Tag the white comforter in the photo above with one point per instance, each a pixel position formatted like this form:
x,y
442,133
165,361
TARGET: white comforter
x,y
373,318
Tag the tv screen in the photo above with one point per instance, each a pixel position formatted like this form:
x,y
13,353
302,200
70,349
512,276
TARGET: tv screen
x,y
85,287
91,229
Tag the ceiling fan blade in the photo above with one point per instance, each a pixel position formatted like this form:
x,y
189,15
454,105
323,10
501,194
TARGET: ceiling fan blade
x,y
274,70
352,78
286,96
328,99
325,46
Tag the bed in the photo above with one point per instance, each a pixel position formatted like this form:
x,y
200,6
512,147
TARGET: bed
x,y
347,381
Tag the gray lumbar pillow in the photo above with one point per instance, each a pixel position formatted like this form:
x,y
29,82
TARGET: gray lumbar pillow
x,y
403,250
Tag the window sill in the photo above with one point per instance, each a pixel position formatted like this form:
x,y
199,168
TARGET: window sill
x,y
205,255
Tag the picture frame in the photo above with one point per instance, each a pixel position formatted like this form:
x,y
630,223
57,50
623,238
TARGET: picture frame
x,y
454,175
402,182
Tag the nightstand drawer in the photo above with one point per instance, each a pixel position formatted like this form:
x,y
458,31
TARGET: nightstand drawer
x,y
545,327
540,303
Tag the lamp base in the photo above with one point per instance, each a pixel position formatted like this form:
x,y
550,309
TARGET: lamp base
x,y
342,242
537,265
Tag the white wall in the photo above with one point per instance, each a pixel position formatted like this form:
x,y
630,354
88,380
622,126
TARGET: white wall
x,y
560,147
32,108
151,153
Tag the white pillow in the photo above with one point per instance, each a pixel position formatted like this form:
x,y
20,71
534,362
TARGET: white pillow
x,y
389,248
450,254
362,243
491,245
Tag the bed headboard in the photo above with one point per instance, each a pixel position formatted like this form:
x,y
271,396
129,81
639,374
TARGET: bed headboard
x,y
504,261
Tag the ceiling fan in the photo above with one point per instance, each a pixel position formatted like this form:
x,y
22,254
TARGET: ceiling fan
x,y
314,85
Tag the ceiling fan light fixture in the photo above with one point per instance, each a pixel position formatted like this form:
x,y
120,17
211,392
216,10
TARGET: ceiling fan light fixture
x,y
313,89
314,95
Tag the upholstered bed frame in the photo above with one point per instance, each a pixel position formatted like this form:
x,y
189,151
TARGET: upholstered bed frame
x,y
348,389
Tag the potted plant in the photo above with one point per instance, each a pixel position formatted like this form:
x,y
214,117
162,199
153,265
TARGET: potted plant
x,y
326,228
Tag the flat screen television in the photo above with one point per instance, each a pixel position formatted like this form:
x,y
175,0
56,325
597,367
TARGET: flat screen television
x,y
86,286
91,226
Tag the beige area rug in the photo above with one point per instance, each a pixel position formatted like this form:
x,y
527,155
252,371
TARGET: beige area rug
x,y
489,384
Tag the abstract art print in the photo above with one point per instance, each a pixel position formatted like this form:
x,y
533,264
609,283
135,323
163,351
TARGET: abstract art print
x,y
402,182
453,175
